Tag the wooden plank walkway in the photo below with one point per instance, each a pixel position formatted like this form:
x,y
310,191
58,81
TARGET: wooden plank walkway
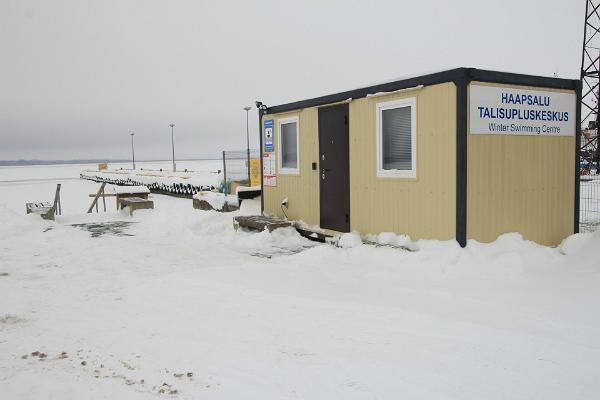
x,y
259,222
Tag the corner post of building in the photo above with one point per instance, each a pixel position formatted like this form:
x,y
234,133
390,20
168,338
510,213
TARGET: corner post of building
x,y
462,84
576,204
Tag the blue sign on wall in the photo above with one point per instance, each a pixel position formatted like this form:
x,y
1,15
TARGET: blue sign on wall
x,y
268,138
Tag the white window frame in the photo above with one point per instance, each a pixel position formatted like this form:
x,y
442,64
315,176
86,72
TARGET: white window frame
x,y
280,169
388,105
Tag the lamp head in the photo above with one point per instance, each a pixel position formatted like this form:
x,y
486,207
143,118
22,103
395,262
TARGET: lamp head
x,y
262,108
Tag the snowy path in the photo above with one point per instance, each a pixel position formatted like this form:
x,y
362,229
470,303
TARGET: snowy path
x,y
183,295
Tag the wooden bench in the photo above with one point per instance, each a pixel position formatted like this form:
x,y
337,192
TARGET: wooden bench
x,y
123,196
136,203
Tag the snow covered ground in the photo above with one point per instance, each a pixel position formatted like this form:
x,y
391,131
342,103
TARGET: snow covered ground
x,y
174,303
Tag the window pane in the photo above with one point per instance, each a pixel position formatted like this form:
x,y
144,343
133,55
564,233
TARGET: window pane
x,y
289,145
396,138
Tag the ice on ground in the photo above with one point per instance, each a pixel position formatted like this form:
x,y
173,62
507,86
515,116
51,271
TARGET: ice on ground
x,y
184,306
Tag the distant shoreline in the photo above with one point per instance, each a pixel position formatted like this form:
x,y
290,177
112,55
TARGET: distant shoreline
x,y
16,163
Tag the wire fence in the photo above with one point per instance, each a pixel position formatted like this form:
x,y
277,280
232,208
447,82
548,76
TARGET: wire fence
x,y
589,204
236,167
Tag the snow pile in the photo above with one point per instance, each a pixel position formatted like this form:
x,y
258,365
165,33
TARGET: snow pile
x,y
217,200
393,240
585,246
354,239
349,240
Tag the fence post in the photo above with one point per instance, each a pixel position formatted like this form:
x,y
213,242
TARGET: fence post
x,y
224,174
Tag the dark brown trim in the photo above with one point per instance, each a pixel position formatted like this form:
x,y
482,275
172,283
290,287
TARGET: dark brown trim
x,y
451,75
521,79
462,85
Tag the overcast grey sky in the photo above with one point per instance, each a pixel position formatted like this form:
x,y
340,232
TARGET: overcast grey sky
x,y
77,76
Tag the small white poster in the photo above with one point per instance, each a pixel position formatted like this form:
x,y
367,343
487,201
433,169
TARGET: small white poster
x,y
496,110
269,174
270,181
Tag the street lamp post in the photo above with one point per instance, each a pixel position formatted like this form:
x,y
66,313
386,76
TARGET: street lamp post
x,y
248,144
173,145
132,151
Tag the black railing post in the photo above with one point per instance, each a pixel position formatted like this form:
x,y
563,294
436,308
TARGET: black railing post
x,y
224,174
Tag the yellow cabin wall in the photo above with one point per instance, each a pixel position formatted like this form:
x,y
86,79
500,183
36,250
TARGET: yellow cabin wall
x,y
520,184
301,190
423,207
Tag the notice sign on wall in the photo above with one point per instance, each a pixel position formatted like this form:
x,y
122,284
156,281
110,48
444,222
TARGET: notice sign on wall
x,y
268,138
269,174
496,110
269,177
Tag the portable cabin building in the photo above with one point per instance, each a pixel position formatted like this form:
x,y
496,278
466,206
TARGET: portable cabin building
x,y
458,154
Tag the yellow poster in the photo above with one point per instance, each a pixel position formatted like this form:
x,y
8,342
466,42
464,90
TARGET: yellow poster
x,y
255,172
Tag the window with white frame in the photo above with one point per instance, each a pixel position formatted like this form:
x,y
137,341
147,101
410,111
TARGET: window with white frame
x,y
289,146
397,138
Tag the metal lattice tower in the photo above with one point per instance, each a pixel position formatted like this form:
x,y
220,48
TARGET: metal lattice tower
x,y
590,78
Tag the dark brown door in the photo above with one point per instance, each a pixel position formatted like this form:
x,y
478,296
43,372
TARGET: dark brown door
x,y
334,171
